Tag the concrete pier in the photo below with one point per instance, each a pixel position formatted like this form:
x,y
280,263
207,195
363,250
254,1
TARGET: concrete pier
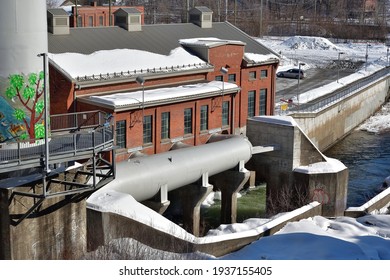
x,y
230,183
297,172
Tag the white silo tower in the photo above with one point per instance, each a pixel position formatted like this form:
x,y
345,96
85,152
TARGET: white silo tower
x,y
23,36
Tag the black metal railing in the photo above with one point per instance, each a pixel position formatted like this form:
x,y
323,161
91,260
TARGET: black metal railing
x,y
71,135
340,94
135,73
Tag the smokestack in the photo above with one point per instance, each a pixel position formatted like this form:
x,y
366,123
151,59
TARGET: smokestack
x,y
23,33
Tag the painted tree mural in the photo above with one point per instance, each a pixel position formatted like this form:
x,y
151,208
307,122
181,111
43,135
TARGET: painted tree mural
x,y
28,90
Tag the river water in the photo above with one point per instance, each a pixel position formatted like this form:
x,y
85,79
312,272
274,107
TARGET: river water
x,y
366,153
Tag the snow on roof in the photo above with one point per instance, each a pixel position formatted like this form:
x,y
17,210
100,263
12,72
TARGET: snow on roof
x,y
208,42
135,98
331,165
120,60
258,58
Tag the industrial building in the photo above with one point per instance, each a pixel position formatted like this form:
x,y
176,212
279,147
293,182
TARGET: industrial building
x,y
164,84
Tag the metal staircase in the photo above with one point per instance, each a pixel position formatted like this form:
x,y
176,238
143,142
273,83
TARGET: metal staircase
x,y
80,148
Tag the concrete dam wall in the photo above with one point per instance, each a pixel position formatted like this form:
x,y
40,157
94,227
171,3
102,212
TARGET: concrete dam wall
x,y
328,126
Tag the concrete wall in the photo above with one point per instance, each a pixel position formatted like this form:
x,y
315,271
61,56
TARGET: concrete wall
x,y
106,226
330,189
290,171
292,150
379,203
54,236
330,125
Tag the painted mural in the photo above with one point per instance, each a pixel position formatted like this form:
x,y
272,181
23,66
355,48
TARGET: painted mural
x,y
22,107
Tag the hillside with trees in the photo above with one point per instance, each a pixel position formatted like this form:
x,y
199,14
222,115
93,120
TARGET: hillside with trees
x,y
356,20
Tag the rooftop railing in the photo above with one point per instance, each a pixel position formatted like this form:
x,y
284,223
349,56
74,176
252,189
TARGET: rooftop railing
x,y
135,73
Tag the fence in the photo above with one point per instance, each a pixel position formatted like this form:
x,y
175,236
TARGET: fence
x,y
340,94
71,135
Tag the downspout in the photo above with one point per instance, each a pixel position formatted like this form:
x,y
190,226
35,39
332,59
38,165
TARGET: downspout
x,y
75,88
232,130
77,14
155,132
109,13
195,124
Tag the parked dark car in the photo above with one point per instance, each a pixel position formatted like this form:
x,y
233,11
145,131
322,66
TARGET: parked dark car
x,y
291,73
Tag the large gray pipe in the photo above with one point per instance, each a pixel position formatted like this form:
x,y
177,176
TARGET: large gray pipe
x,y
142,177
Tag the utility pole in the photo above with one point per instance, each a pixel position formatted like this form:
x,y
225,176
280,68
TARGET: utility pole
x,y
188,11
235,12
261,19
226,10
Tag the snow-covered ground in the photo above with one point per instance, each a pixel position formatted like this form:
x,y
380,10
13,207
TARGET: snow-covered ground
x,y
367,237
318,52
319,238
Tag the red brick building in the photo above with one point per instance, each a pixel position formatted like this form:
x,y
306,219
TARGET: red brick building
x,y
94,15
164,84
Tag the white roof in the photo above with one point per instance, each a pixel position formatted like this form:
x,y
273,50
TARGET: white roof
x,y
137,98
122,60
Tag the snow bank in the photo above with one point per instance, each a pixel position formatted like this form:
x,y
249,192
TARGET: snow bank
x,y
125,205
309,43
378,123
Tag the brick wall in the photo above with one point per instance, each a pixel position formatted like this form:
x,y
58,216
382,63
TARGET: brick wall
x,y
229,56
95,12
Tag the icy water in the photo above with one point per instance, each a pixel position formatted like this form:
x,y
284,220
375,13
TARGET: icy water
x,y
367,156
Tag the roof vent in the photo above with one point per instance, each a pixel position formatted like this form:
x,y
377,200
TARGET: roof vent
x,y
58,21
202,16
128,18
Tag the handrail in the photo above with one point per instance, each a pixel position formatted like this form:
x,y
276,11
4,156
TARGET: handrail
x,y
339,94
73,134
133,73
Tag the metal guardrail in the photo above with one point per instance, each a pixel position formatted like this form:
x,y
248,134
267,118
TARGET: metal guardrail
x,y
134,73
346,91
71,136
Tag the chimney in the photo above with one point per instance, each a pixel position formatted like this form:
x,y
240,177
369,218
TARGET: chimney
x,y
128,18
94,4
202,16
58,21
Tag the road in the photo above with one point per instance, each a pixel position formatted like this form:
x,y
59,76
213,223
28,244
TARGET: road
x,y
315,77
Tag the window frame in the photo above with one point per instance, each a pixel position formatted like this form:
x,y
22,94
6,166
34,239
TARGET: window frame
x,y
90,21
219,78
204,117
251,101
165,125
147,130
188,126
263,102
232,77
120,134
225,113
